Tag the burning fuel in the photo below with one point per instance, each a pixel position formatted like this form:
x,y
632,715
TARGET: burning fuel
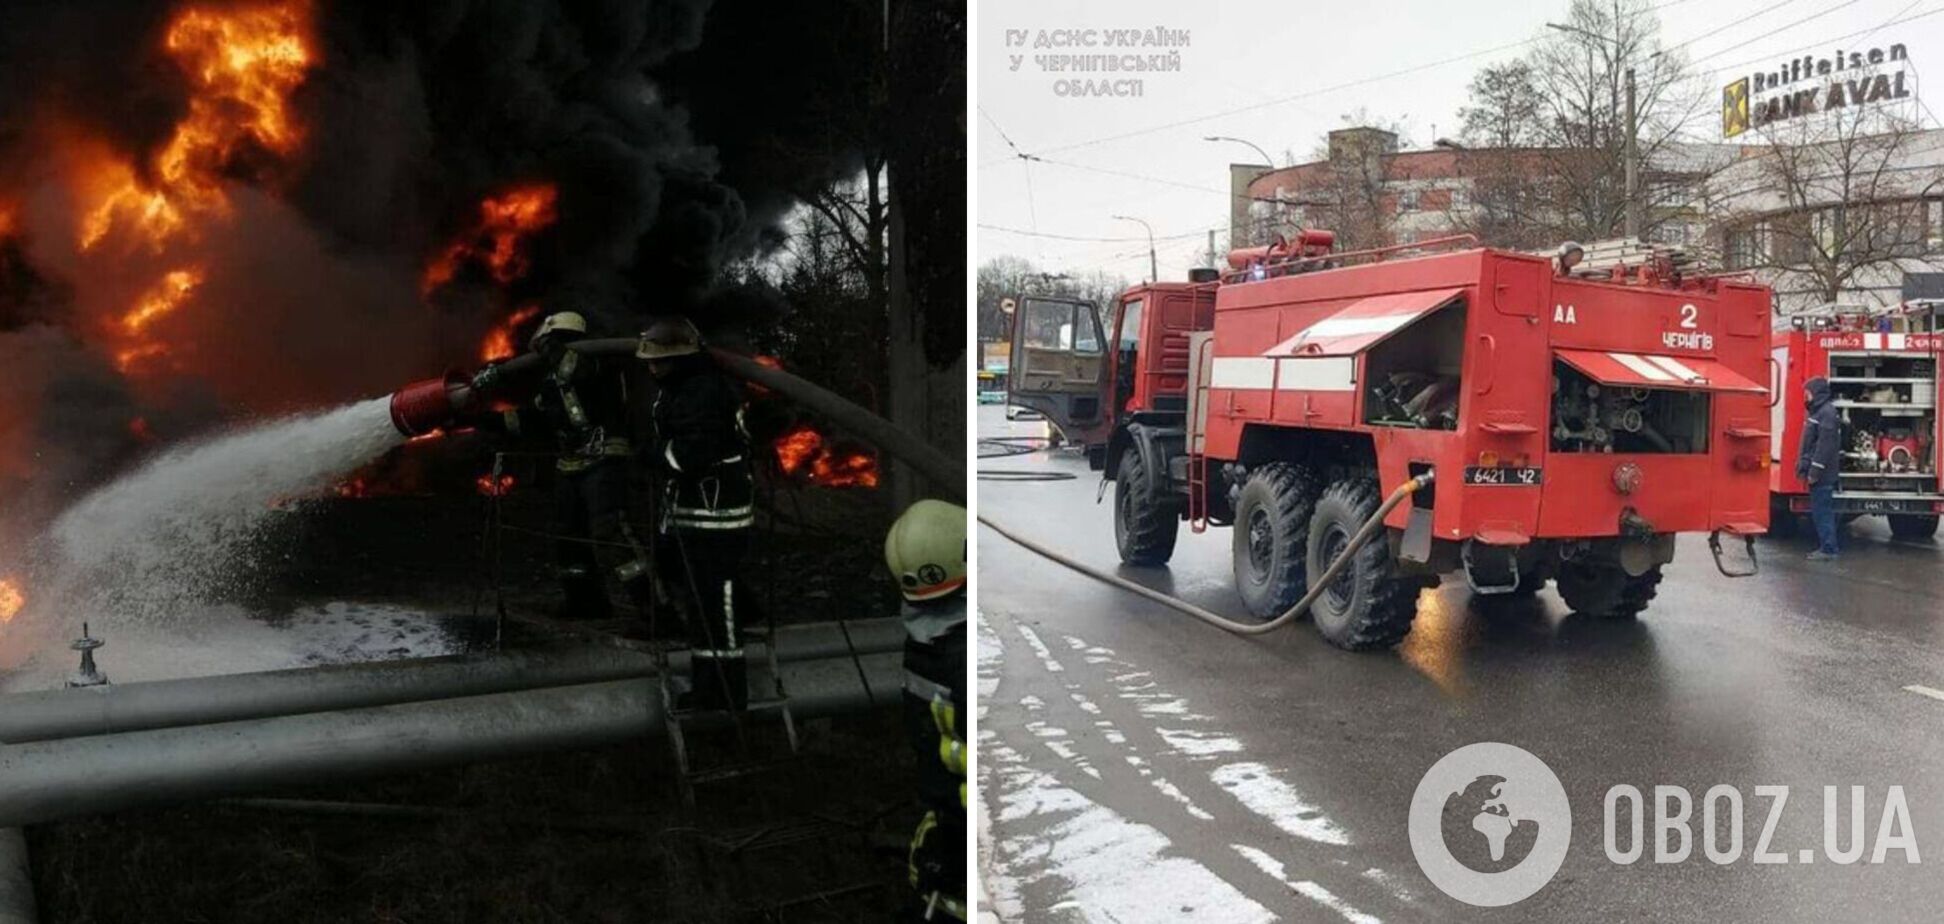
x,y
805,453
496,487
11,600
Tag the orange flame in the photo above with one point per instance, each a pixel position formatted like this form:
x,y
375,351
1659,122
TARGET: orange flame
x,y
11,600
497,237
161,299
499,343
805,453
242,64
491,487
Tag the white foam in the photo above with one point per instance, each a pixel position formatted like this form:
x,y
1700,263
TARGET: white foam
x,y
185,529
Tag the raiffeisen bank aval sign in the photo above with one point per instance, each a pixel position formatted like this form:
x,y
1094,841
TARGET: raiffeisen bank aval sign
x,y
1811,84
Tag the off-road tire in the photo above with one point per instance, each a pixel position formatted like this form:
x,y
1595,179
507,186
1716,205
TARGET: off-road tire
x,y
1272,514
1370,605
1605,591
1913,526
1146,519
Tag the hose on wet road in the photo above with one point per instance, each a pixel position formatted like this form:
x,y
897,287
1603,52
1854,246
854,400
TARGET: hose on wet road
x,y
1371,529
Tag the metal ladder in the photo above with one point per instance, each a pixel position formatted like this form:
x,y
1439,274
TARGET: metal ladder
x,y
678,719
1197,455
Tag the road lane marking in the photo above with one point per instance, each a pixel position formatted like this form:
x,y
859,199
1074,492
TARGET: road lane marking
x,y
1117,869
1039,648
1310,890
1922,690
1268,796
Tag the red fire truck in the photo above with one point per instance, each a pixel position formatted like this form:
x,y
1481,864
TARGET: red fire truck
x,y
1883,371
1573,425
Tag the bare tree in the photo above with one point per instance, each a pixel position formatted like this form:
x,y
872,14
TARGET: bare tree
x,y
1555,127
1833,203
1505,108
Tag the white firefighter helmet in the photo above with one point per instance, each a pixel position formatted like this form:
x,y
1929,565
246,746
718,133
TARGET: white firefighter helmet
x,y
669,337
926,550
569,321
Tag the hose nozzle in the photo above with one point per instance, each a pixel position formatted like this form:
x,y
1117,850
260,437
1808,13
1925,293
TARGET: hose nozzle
x,y
422,407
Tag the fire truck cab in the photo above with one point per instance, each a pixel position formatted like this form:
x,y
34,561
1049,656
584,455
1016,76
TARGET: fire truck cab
x,y
1573,425
1883,369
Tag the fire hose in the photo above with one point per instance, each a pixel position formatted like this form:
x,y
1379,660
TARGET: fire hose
x,y
1371,528
422,407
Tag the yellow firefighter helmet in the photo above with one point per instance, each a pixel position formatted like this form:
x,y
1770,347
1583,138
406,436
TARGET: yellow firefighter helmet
x,y
559,322
669,337
926,550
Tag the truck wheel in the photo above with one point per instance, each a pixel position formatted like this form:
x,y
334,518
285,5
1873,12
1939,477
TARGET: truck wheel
x,y
1605,590
1913,525
1146,516
1272,517
1783,522
1369,605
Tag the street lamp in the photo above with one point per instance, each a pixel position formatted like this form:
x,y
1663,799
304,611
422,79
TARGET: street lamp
x,y
1154,265
1268,161
1632,219
1269,164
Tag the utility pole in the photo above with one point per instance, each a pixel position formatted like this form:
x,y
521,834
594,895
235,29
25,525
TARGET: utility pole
x,y
1630,151
1154,264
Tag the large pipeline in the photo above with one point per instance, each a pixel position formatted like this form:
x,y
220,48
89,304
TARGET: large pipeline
x,y
49,714
425,406
52,780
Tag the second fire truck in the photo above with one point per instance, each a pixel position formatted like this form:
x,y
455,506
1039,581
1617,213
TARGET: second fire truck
x,y
1883,369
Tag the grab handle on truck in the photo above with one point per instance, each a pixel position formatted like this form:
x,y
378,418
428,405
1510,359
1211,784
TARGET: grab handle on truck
x,y
1714,548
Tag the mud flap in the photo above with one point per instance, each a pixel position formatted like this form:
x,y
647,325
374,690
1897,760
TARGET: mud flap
x,y
1714,548
1472,571
1416,545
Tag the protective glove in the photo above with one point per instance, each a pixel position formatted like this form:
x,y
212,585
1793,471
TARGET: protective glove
x,y
486,378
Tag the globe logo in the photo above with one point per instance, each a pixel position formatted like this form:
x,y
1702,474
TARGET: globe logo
x,y
1490,824
1485,833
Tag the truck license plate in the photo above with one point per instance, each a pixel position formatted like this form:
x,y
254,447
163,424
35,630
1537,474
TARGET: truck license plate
x,y
1514,475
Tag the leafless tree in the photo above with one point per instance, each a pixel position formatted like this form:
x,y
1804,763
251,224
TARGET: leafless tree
x,y
1833,202
1554,132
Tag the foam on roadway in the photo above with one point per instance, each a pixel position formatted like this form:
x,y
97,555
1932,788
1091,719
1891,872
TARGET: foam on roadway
x,y
1138,765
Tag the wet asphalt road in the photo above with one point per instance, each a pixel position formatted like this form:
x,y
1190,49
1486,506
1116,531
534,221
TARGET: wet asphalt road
x,y
1138,765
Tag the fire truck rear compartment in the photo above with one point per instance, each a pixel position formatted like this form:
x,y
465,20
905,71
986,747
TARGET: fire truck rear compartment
x,y
1589,416
1411,379
1888,405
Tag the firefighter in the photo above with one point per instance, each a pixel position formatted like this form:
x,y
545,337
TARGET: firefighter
x,y
581,401
701,452
925,551
1822,448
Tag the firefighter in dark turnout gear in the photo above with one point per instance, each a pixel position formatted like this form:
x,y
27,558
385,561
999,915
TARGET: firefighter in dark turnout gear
x,y
925,551
581,403
1816,465
701,452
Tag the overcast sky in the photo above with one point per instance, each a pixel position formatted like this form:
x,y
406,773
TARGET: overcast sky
x,y
1260,54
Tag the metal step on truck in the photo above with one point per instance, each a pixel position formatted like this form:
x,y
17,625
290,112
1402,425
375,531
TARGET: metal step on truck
x,y
1883,370
1573,426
